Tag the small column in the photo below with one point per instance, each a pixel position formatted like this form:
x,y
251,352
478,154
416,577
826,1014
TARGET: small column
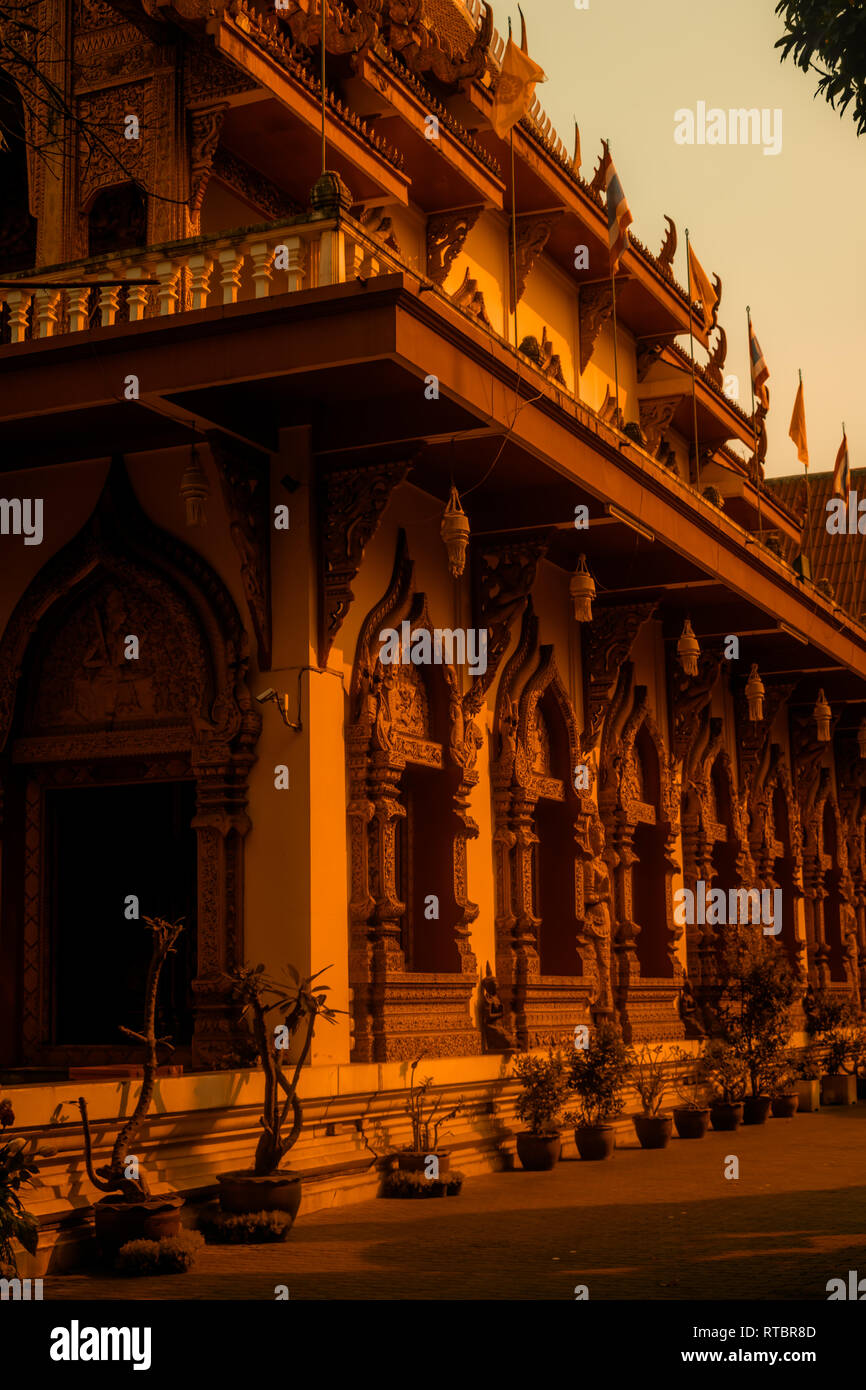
x,y
231,260
201,269
19,303
79,316
262,258
168,274
137,295
108,301
332,256
296,267
47,306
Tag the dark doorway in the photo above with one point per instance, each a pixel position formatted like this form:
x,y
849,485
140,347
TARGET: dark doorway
x,y
105,845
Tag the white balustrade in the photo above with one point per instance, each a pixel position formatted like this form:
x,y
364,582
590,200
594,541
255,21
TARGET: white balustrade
x,y
191,277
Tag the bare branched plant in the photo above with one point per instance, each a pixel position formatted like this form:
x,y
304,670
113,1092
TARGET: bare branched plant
x,y
301,1006
114,1177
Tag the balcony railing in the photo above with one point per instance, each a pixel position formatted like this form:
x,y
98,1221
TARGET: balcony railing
x,y
183,276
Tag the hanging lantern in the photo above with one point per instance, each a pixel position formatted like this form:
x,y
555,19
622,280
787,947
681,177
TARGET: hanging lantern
x,y
823,714
755,695
861,738
688,649
195,490
455,533
582,590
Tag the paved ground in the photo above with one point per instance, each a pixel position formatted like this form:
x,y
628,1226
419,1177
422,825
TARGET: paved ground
x,y
645,1225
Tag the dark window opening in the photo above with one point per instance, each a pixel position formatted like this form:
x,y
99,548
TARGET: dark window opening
x,y
425,848
833,899
106,844
554,889
648,893
117,220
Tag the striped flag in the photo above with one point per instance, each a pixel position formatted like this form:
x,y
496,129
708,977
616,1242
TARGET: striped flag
x,y
701,287
842,470
760,371
797,431
619,216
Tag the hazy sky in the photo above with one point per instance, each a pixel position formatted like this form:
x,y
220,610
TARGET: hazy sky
x,y
785,231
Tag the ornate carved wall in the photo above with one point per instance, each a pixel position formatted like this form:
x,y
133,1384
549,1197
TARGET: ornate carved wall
x,y
403,717
72,706
537,749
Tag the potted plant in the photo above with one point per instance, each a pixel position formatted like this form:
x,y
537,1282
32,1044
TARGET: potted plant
x,y
726,1075
543,1088
780,1082
755,1011
653,1128
835,1026
596,1080
265,1188
807,1079
17,1169
692,1115
425,1156
134,1214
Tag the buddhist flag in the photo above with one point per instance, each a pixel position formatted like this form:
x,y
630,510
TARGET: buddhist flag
x,y
760,371
619,217
842,470
515,89
797,432
701,287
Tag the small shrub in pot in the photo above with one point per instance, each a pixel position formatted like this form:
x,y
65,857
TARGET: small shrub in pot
x,y
596,1084
726,1075
692,1114
652,1127
542,1093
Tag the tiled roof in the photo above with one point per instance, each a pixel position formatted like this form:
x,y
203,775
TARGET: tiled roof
x,y
450,19
839,559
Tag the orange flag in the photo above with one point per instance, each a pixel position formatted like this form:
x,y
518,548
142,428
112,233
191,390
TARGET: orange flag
x,y
702,288
515,89
797,432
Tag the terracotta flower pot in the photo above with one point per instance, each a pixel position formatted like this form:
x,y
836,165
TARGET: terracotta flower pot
x,y
808,1095
783,1107
839,1090
653,1131
756,1109
538,1153
154,1218
595,1142
244,1191
726,1115
411,1162
691,1124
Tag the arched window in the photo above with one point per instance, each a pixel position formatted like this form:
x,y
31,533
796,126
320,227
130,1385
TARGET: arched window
x,y
553,878
17,227
117,220
833,897
649,883
783,872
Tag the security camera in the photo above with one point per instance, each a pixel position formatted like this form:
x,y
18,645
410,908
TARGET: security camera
x,y
266,695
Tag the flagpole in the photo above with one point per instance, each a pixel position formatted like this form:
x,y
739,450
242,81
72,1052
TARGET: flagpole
x,y
808,501
755,426
615,355
692,347
514,237
324,93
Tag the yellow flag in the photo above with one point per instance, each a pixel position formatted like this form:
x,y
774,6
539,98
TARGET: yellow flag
x,y
515,89
797,432
702,288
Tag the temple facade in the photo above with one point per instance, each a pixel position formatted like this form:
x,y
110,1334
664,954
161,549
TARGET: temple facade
x,y
244,404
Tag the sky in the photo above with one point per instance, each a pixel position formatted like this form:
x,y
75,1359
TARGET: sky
x,y
783,231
